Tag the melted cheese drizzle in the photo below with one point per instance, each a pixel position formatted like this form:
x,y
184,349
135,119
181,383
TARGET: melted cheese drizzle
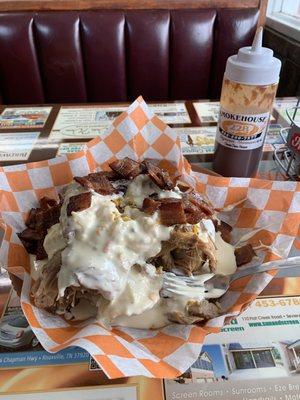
x,y
226,263
142,187
103,245
157,316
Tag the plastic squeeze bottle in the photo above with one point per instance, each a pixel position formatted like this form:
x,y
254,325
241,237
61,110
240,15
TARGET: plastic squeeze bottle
x,y
248,91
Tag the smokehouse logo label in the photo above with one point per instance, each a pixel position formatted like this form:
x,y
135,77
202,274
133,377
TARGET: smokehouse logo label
x,y
240,131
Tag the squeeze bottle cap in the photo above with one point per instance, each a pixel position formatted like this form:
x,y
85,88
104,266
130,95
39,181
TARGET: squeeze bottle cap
x,y
254,65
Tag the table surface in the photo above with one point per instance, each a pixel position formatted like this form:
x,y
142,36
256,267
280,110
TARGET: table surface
x,y
41,151
287,281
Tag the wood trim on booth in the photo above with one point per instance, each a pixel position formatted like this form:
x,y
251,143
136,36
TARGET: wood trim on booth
x,y
51,5
262,12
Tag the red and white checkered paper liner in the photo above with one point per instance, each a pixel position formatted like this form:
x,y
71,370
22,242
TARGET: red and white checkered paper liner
x,y
272,208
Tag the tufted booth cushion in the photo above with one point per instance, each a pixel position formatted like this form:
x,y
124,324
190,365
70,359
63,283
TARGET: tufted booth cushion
x,y
106,56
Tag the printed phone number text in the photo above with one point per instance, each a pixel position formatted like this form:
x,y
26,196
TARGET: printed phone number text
x,y
291,301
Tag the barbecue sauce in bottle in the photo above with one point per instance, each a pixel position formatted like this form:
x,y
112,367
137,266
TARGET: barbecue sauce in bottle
x,y
248,91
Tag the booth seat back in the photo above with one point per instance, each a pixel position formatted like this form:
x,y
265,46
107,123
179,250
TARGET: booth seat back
x,y
108,56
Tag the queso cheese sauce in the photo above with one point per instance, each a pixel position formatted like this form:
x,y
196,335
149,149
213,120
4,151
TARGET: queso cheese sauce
x,y
104,244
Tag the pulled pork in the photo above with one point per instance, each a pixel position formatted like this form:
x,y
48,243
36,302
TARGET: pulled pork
x,y
195,312
44,291
244,254
186,252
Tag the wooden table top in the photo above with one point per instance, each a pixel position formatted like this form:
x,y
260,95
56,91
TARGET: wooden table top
x,y
44,149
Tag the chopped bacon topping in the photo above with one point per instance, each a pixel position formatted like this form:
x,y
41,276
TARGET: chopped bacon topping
x,y
172,212
150,206
97,182
40,251
44,217
244,254
198,201
30,238
192,212
177,211
184,187
79,202
160,177
47,203
126,168
38,222
30,234
32,218
84,182
195,208
110,175
101,184
224,229
47,218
